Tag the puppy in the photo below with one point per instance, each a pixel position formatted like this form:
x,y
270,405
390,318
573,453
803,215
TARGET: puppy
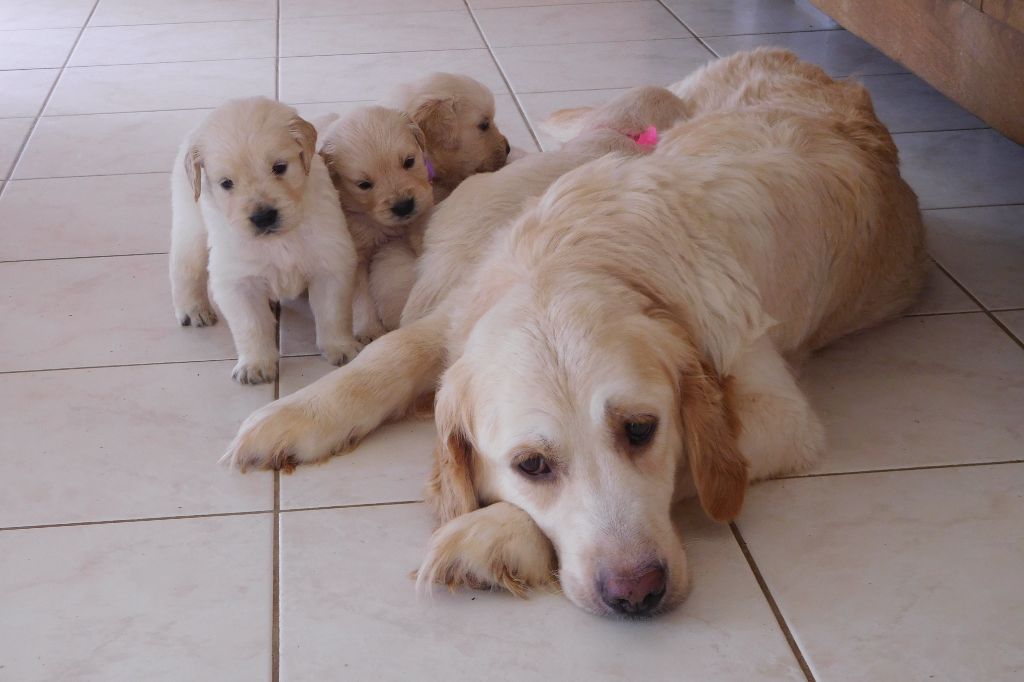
x,y
256,220
456,115
376,159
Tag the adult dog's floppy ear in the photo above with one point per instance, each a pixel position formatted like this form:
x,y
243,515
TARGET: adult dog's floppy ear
x,y
710,431
194,170
438,121
450,490
304,134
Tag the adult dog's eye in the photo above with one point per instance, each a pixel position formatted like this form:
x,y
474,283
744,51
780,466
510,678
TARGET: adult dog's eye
x,y
638,433
226,183
364,185
280,168
534,466
484,125
409,162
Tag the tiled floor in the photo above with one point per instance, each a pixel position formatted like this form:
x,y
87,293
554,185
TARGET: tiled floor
x,y
126,553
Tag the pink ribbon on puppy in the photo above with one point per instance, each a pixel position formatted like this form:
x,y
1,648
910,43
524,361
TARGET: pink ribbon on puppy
x,y
648,138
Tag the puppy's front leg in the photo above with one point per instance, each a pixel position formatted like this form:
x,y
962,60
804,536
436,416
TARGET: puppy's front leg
x,y
189,256
330,297
334,413
253,327
364,314
495,546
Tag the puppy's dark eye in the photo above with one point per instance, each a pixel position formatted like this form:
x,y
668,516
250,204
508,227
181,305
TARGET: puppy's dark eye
x,y
409,162
364,185
639,433
280,168
226,183
534,466
484,125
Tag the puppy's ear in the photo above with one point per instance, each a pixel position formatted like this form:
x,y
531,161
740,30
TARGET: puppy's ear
x,y
304,134
565,124
194,170
710,430
438,121
450,490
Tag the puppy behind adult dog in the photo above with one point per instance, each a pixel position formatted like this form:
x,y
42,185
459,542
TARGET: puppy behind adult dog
x,y
376,159
456,115
256,220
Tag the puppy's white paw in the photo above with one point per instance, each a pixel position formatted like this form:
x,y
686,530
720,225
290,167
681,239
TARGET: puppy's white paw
x,y
494,547
196,314
369,331
340,352
280,435
255,370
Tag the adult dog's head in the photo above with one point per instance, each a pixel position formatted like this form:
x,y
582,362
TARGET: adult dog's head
x,y
590,378
456,114
253,157
376,159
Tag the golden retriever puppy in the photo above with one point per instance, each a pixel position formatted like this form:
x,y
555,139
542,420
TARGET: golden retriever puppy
x,y
376,159
626,340
456,114
256,220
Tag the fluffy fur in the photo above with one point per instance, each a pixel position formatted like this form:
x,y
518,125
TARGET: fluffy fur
x,y
670,291
256,220
456,114
376,160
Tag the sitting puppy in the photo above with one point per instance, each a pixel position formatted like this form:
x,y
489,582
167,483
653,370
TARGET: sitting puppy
x,y
256,215
456,115
376,160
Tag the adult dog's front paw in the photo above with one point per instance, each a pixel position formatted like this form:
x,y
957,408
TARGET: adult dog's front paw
x,y
280,435
255,370
196,314
341,352
494,547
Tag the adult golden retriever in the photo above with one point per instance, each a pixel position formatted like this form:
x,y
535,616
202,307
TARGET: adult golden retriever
x,y
627,340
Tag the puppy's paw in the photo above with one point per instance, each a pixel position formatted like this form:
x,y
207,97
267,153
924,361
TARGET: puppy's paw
x,y
340,352
494,547
280,435
255,370
196,314
369,331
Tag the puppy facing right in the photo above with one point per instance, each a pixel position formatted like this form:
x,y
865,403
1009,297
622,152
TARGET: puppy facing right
x,y
456,115
376,159
256,220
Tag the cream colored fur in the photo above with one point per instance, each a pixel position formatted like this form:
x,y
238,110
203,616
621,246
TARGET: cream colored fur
x,y
216,248
671,289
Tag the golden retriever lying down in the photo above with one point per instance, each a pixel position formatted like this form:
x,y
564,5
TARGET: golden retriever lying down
x,y
626,341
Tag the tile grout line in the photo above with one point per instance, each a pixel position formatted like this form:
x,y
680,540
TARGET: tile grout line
x,y
889,470
991,315
776,611
46,100
504,77
690,30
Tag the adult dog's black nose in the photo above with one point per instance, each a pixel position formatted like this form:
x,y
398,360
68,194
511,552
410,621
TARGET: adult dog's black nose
x,y
404,207
264,218
633,594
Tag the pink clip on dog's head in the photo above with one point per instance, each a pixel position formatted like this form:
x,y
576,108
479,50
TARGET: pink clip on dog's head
x,y
648,138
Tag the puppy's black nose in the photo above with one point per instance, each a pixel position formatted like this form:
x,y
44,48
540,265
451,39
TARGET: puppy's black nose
x,y
264,218
508,147
633,594
404,207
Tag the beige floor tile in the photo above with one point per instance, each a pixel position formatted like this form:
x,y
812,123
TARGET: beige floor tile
x,y
942,295
98,216
45,14
37,48
905,103
588,23
492,4
24,91
600,65
125,12
13,132
919,391
95,312
106,144
156,601
725,631
327,8
400,32
838,52
154,87
733,17
984,249
175,43
1014,320
897,576
125,442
